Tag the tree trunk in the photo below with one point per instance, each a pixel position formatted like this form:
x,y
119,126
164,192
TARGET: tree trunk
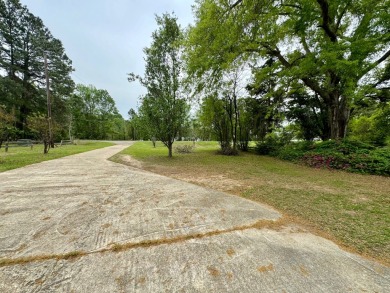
x,y
339,113
21,122
46,146
170,150
235,122
229,110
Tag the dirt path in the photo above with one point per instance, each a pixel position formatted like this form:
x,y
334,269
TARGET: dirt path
x,y
85,224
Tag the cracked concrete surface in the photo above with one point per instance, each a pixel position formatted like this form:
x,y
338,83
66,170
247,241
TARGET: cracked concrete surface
x,y
84,203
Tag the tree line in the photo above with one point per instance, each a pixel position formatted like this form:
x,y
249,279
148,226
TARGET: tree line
x,y
76,111
245,71
258,69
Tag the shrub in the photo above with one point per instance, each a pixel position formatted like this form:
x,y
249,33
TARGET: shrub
x,y
333,161
228,151
374,128
294,151
343,146
351,156
269,146
274,142
184,149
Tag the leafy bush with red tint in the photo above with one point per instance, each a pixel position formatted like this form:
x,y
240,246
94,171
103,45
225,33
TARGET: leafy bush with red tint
x,y
352,156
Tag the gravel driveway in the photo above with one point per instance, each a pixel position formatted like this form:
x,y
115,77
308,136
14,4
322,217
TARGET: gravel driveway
x,y
85,224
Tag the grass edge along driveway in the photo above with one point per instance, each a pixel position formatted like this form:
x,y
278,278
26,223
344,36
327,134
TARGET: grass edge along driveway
x,y
352,210
17,157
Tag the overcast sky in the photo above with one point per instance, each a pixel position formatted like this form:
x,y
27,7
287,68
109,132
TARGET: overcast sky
x,y
105,38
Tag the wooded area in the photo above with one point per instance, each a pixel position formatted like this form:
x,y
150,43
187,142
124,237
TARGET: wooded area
x,y
287,70
320,65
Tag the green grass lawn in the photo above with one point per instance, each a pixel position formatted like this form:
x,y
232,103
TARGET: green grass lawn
x,y
17,157
351,209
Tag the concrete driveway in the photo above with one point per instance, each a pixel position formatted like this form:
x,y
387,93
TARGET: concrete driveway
x,y
85,224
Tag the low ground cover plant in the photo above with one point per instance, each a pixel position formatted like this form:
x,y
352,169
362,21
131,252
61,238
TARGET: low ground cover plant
x,y
348,155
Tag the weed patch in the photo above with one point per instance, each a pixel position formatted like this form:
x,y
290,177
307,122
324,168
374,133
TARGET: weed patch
x,y
118,247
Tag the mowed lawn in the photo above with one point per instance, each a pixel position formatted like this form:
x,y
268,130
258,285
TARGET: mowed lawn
x,y
351,209
17,157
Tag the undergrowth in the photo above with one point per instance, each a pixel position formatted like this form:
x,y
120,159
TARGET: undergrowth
x,y
348,155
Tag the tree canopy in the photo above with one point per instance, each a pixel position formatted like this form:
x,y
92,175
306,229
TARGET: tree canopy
x,y
93,112
24,42
163,108
334,51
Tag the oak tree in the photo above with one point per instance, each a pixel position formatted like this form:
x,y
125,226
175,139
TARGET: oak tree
x,y
338,50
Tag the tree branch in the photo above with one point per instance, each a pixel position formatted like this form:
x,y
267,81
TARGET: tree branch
x,y
326,20
305,45
235,4
292,5
342,15
276,53
375,64
306,80
315,87
383,58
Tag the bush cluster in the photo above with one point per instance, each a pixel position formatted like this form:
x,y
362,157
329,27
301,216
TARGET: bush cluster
x,y
352,156
228,151
184,149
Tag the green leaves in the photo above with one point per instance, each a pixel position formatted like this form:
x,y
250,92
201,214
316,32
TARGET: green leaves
x,y
93,112
330,47
163,109
24,40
